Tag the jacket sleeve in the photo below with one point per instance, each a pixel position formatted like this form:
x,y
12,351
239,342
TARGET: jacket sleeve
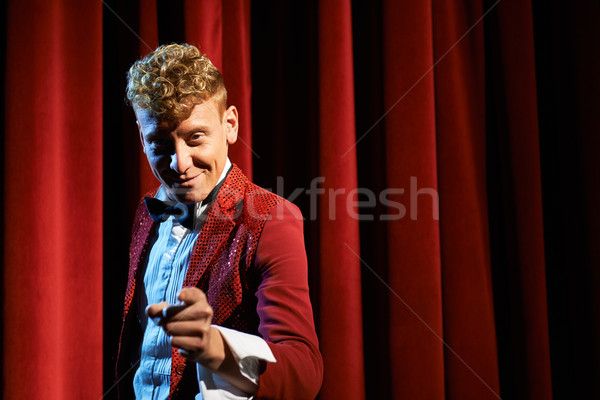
x,y
285,311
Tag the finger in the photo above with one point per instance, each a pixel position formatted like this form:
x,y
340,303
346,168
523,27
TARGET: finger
x,y
172,310
194,312
191,295
194,356
192,345
187,328
190,355
155,311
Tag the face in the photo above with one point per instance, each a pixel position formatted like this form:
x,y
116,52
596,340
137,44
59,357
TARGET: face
x,y
188,156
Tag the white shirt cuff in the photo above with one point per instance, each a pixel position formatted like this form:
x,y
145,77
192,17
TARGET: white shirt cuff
x,y
248,351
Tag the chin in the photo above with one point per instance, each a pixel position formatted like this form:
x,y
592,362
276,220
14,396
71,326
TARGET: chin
x,y
190,198
189,194
183,196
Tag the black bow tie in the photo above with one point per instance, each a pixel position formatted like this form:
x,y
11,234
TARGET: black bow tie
x,y
160,211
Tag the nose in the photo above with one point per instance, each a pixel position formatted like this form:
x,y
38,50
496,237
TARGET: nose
x,y
180,159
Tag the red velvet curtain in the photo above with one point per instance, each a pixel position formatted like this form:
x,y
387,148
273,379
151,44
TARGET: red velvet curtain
x,y
443,154
52,314
340,307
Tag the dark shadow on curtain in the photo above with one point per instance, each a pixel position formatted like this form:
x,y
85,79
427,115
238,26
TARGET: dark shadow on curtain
x,y
285,111
3,39
367,25
501,208
567,38
121,157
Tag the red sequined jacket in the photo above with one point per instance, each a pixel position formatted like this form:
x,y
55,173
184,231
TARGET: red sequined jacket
x,y
250,261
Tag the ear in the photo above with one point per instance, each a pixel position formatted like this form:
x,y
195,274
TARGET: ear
x,y
230,120
137,121
141,135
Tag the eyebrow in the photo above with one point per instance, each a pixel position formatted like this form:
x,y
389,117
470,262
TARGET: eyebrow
x,y
194,129
153,136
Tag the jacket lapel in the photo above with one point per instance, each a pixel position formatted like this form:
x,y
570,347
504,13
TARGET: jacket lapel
x,y
217,227
143,230
213,236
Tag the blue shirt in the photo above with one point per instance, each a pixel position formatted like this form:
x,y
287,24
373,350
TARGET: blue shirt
x,y
164,276
169,257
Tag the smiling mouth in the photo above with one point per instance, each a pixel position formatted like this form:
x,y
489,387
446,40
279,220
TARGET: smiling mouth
x,y
185,183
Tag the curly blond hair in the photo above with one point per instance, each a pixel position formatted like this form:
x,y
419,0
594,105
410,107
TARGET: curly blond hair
x,y
172,79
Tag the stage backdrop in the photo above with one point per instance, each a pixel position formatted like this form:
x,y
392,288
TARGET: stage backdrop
x,y
444,155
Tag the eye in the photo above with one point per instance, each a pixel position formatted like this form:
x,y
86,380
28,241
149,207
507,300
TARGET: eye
x,y
160,143
197,136
160,146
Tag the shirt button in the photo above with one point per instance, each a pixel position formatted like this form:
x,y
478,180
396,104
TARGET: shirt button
x,y
179,369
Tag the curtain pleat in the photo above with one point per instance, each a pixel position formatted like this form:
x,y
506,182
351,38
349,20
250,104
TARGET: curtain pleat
x,y
471,368
340,307
53,201
416,332
523,260
206,33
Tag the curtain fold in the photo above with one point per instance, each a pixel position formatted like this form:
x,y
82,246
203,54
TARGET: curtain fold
x,y
206,33
520,261
416,325
469,328
340,304
52,208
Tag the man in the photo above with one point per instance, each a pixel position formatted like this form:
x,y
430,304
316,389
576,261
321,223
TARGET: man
x,y
217,301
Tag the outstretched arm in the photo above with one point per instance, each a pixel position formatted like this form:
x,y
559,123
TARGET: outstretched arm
x,y
188,323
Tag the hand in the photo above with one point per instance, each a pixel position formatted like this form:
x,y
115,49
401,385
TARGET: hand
x,y
188,324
